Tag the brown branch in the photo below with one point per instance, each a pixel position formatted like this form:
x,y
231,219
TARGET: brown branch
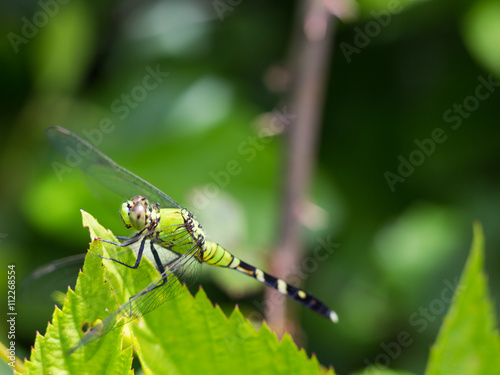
x,y
309,63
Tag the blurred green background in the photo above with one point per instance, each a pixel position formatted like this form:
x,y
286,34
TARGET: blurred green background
x,y
76,63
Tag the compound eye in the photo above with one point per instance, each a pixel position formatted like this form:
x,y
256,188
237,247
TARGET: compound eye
x,y
137,216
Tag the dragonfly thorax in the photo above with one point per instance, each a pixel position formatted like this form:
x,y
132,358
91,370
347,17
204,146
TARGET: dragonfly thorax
x,y
138,214
193,227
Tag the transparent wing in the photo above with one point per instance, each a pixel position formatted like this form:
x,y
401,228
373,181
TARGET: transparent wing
x,y
164,288
47,283
103,169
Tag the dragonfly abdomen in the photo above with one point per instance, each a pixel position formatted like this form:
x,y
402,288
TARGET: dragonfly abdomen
x,y
216,255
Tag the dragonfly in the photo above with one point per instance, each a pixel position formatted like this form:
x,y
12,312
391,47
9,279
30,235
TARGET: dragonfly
x,y
170,233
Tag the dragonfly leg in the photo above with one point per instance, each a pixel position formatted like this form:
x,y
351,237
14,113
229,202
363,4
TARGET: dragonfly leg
x,y
139,256
159,264
128,240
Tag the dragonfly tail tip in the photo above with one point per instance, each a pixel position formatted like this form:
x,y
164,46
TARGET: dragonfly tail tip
x,y
334,317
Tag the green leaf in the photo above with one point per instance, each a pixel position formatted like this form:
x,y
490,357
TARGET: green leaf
x,y
190,336
186,335
92,299
468,341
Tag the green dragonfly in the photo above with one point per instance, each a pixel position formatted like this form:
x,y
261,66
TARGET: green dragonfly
x,y
176,241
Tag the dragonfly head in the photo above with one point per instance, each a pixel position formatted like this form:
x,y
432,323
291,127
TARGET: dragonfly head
x,y
137,213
